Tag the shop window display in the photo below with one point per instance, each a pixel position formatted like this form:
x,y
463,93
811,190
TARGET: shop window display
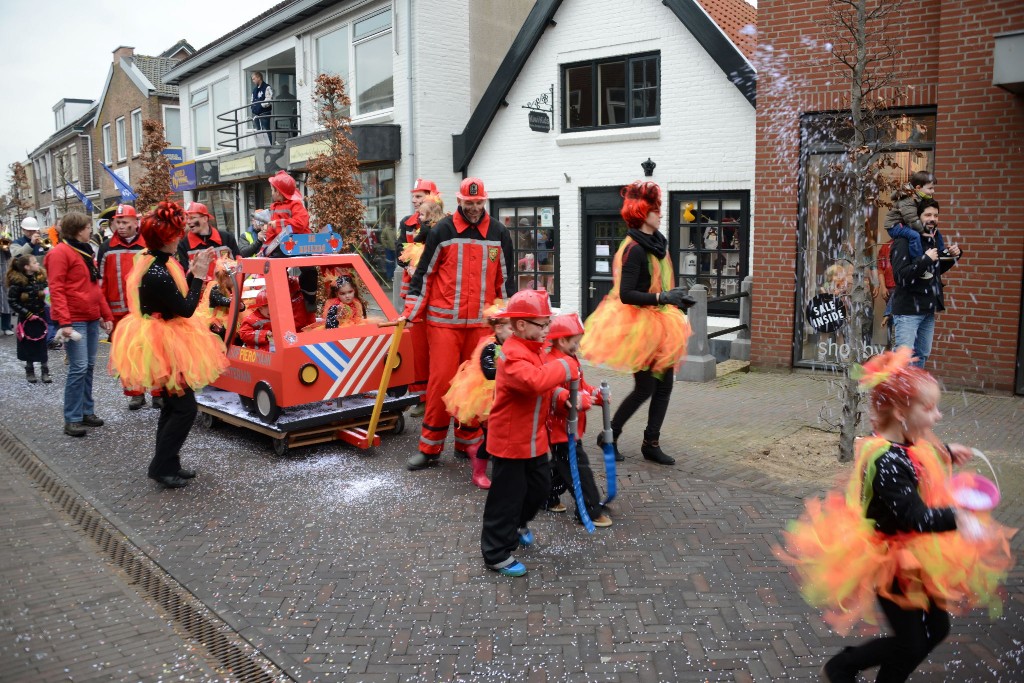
x,y
534,231
710,236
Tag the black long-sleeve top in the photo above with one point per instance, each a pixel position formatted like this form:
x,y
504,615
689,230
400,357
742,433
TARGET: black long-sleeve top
x,y
219,299
488,362
896,505
636,277
915,293
158,295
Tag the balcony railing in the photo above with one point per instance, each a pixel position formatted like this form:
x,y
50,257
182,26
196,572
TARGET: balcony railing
x,y
239,124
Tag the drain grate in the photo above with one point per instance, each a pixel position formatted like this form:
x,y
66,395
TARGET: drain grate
x,y
234,655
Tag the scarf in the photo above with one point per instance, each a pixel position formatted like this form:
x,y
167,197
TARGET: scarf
x,y
655,243
84,250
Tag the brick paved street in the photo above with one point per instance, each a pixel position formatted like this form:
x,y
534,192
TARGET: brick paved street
x,y
343,566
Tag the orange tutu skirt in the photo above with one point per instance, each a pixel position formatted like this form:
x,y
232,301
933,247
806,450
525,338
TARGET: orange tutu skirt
x,y
411,253
150,353
631,338
470,396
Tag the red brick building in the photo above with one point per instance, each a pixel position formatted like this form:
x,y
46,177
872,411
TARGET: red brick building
x,y
956,122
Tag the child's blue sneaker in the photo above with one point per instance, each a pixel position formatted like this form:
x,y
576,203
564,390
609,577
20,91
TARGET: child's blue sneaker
x,y
513,568
525,538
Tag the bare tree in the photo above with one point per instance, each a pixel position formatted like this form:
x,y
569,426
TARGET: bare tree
x,y
155,184
19,191
333,177
865,46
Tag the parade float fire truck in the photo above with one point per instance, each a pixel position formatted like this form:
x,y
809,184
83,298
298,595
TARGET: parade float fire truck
x,y
313,385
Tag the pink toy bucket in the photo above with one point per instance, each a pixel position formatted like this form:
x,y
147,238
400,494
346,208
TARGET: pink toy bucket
x,y
974,492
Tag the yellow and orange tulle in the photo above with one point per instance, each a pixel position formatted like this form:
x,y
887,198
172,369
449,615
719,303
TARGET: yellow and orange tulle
x,y
841,562
411,253
150,353
471,395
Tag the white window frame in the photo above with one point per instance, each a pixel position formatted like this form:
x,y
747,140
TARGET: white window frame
x,y
72,162
136,115
163,116
350,78
122,140
107,159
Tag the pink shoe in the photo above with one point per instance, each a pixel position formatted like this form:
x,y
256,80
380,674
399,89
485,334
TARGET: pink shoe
x,y
479,468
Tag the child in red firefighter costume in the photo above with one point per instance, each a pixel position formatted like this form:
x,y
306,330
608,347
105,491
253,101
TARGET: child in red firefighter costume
x,y
160,345
465,267
564,338
897,537
429,210
517,432
640,326
288,209
471,395
115,259
256,331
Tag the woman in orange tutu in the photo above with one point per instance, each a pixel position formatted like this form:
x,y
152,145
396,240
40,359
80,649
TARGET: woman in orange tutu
x,y
898,537
159,345
640,326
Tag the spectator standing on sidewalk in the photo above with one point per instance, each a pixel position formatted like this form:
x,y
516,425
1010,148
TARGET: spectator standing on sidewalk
x,y
918,262
160,346
640,326
6,326
77,305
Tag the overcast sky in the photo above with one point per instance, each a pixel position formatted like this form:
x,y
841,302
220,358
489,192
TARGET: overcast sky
x,y
54,49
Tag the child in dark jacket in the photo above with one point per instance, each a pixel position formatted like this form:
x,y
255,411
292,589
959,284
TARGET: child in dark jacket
x,y
26,293
564,336
517,432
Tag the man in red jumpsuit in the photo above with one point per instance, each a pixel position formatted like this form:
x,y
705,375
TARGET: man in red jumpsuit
x,y
407,231
202,235
467,265
115,259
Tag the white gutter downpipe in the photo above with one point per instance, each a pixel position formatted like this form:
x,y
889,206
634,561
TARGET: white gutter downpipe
x,y
411,128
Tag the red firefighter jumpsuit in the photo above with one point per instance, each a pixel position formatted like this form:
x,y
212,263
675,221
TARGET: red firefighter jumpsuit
x,y
115,259
463,270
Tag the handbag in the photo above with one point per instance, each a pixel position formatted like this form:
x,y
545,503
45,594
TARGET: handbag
x,y
23,335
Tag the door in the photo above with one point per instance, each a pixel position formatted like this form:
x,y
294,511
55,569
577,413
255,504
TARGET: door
x,y
604,233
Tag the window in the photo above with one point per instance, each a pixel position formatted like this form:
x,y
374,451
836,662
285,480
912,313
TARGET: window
x,y
59,118
533,226
136,132
220,104
172,126
825,260
73,163
202,134
107,159
122,143
710,237
363,59
378,195
615,92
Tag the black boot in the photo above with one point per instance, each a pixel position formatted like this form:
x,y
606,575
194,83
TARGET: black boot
x,y
652,451
30,373
46,374
838,669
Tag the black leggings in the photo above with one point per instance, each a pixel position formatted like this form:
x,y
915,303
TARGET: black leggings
x,y
176,418
646,386
915,633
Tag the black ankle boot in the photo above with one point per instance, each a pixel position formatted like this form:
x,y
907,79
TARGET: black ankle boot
x,y
651,450
30,374
46,375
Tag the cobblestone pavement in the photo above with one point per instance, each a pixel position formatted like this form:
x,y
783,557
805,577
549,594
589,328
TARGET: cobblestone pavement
x,y
340,565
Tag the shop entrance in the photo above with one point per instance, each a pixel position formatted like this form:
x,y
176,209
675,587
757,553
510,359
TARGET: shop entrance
x,y
603,231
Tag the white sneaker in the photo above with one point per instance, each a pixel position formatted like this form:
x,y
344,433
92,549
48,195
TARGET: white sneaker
x,y
9,333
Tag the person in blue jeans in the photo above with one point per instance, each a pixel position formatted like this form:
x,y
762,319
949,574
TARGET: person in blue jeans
x,y
919,258
80,310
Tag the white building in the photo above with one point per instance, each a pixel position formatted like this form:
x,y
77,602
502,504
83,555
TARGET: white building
x,y
631,81
411,79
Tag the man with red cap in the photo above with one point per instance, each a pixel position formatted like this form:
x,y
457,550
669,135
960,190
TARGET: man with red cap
x,y
467,265
115,259
408,229
201,236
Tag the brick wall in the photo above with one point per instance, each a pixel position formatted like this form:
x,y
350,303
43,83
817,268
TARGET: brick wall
x,y
979,161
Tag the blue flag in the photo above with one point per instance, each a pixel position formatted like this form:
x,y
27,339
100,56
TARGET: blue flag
x,y
85,200
127,193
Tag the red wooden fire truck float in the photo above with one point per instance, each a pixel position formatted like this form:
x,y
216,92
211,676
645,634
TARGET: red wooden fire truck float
x,y
348,383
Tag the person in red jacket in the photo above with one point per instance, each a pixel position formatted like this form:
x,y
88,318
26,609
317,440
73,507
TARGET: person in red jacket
x,y
115,259
466,266
517,433
79,309
564,336
255,331
288,210
201,236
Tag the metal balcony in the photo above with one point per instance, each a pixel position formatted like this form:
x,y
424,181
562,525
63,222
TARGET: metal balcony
x,y
239,125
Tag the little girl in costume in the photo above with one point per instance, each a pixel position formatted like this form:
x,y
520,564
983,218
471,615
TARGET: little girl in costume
x,y
897,536
471,394
160,346
26,293
343,308
215,303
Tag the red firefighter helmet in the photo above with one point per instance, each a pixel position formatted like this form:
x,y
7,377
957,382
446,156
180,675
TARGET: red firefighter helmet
x,y
285,184
565,325
471,188
427,186
126,210
260,299
529,303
